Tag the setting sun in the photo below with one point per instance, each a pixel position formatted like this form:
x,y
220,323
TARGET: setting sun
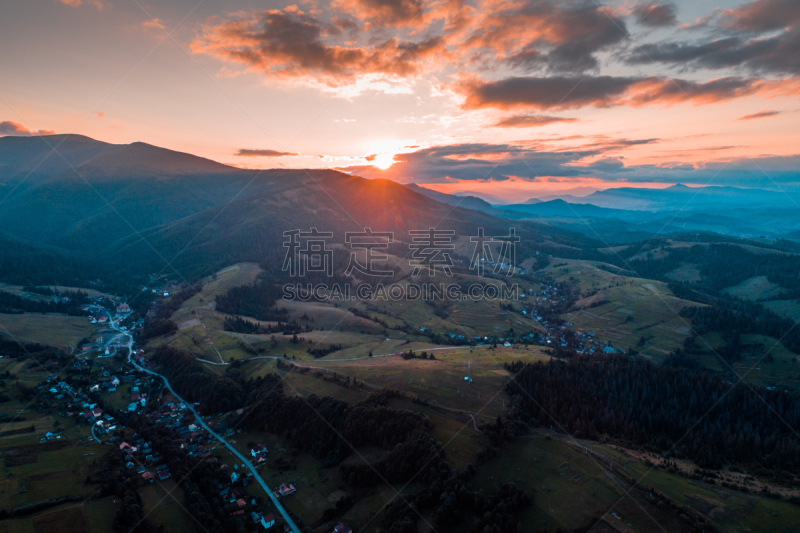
x,y
383,161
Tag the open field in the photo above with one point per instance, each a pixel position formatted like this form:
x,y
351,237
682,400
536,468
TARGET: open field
x,y
686,273
58,330
20,291
570,488
49,474
573,489
755,289
766,362
100,514
201,328
788,308
730,510
439,382
162,505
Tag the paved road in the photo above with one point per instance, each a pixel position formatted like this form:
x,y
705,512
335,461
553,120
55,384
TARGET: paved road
x,y
242,458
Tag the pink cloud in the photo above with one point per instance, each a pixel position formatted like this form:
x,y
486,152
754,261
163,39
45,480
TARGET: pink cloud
x,y
8,127
77,3
296,45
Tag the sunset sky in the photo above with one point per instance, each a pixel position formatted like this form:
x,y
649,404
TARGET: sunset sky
x,y
500,97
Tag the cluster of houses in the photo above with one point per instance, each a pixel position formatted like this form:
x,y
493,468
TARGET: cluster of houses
x,y
559,335
137,399
140,452
73,402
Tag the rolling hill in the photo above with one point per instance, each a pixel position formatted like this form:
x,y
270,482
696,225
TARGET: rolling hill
x,y
139,206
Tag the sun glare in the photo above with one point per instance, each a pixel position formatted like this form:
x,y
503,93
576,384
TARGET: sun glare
x,y
383,161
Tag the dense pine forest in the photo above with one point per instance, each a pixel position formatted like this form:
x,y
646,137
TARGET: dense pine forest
x,y
721,265
666,408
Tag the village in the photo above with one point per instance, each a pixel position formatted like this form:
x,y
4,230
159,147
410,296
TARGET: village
x,y
121,388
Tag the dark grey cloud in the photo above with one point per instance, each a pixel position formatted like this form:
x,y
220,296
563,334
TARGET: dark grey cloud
x,y
775,54
555,92
760,114
762,15
656,15
543,34
500,162
244,152
476,161
560,92
530,121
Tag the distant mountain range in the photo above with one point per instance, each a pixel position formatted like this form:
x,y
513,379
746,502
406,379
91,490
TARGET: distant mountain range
x,y
467,202
562,208
629,214
494,200
574,192
686,198
146,208
142,208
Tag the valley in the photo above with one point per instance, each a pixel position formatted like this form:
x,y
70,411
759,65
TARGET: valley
x,y
589,386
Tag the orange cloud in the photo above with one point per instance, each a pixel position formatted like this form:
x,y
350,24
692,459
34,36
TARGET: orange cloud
x,y
8,127
294,45
383,12
78,3
153,24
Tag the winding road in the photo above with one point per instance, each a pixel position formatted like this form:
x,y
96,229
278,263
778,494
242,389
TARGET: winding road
x,y
245,461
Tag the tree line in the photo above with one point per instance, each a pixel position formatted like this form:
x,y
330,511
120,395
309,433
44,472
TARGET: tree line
x,y
665,408
242,325
13,303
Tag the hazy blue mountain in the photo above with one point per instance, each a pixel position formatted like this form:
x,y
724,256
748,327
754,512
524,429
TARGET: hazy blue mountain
x,y
561,208
681,197
572,192
467,202
141,204
494,200
49,157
